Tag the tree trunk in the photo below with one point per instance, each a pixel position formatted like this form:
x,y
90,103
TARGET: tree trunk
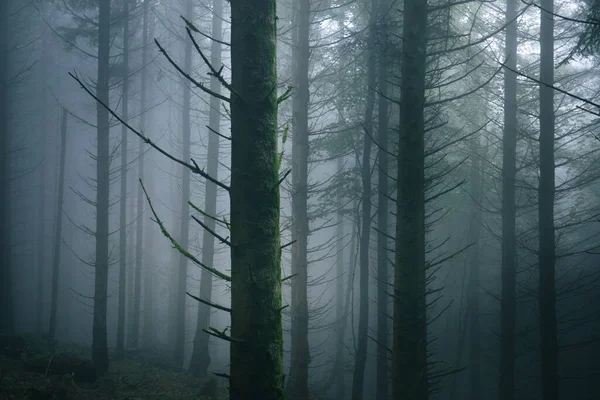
x,y
257,347
363,322
99,345
148,327
546,190
123,201
341,271
382,211
58,230
185,197
201,357
297,383
473,280
509,241
6,298
409,352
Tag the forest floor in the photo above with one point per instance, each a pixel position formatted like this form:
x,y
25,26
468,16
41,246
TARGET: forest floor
x,y
127,379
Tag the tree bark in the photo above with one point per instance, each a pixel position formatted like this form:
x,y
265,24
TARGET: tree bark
x,y
473,280
6,298
201,357
509,241
123,201
341,271
382,209
546,192
256,369
58,230
297,383
185,197
363,322
99,340
409,351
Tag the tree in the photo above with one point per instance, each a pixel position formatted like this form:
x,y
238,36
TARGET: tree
x,y
99,339
200,357
58,231
297,384
409,350
123,177
509,241
546,193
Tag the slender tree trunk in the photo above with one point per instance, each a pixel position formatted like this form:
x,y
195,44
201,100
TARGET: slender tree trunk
x,y
123,202
340,312
99,345
58,230
382,212
297,383
409,352
473,282
149,264
6,298
201,357
185,197
256,356
363,322
509,241
546,190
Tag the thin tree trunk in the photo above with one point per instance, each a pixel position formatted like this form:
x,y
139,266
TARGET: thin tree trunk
x,y
99,345
148,327
363,322
58,231
409,352
382,212
201,357
297,383
509,241
340,312
256,356
185,197
473,282
546,190
123,201
6,298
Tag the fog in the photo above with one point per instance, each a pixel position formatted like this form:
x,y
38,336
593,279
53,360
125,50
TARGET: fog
x,y
410,212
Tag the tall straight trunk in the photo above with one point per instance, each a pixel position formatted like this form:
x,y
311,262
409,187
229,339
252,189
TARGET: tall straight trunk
x,y
6,298
409,351
130,263
546,190
201,357
382,212
509,240
256,353
58,229
363,322
123,203
297,383
139,236
99,340
475,392
185,197
340,314
41,242
148,326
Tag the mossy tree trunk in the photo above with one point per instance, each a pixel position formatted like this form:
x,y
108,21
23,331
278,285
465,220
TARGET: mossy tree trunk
x,y
297,383
200,357
256,369
409,352
99,340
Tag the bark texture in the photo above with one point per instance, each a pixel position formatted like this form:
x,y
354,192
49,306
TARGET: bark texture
x,y
256,369
409,351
